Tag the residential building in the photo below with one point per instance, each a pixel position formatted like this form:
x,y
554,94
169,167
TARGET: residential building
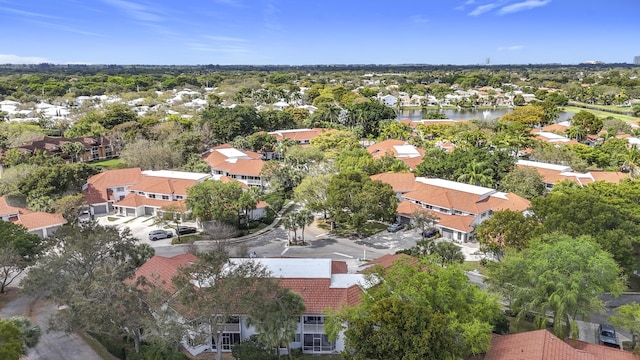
x,y
553,173
301,136
95,147
322,283
244,166
132,192
543,345
389,100
40,223
400,149
636,60
458,207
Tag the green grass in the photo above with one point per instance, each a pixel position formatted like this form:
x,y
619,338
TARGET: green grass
x,y
474,265
97,347
321,357
599,113
186,239
115,163
111,218
368,229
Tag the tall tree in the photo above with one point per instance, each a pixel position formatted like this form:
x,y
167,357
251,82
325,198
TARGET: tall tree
x,y
304,218
312,192
558,275
18,250
506,229
73,149
477,173
523,181
277,319
222,286
84,268
215,200
419,310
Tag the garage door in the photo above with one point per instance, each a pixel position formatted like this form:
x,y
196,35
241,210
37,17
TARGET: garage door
x,y
149,211
131,212
99,209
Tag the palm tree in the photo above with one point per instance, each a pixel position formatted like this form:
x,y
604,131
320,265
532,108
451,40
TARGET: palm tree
x,y
630,161
477,173
304,217
288,224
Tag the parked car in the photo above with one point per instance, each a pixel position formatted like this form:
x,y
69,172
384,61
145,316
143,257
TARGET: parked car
x,y
607,336
395,227
181,230
429,233
160,234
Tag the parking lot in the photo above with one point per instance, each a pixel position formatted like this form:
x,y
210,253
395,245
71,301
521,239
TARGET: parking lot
x,y
140,227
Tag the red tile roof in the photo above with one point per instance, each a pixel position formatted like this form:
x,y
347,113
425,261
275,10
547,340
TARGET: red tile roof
x,y
388,260
531,345
160,270
299,135
319,296
134,200
400,182
543,345
96,191
163,185
32,220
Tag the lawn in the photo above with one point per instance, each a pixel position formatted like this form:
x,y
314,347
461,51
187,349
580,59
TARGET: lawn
x,y
115,163
599,113
474,265
368,229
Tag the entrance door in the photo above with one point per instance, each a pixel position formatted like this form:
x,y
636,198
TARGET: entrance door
x,y
317,345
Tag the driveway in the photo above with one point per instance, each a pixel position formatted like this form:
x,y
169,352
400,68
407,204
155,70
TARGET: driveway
x,y
53,345
140,227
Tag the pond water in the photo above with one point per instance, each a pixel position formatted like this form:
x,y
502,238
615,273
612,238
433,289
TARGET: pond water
x,y
469,114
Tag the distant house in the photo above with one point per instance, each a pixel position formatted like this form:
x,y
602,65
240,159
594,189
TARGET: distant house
x,y
95,147
40,223
400,149
389,100
458,207
244,166
323,284
301,136
552,173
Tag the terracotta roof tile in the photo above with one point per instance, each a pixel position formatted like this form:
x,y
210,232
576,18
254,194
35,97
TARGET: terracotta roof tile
x,y
38,220
400,182
319,296
6,209
96,191
135,200
163,185
160,270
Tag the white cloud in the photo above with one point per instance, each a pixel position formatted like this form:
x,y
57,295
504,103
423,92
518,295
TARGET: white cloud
x,y
419,19
15,59
26,13
135,10
483,9
225,38
521,6
511,48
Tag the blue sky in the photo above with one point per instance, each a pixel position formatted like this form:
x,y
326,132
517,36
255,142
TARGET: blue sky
x,y
297,32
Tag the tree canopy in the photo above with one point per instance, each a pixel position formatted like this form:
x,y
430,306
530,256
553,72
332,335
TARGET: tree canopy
x,y
419,310
18,250
558,275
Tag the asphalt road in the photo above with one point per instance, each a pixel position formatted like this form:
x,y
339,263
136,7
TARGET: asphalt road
x,y
53,345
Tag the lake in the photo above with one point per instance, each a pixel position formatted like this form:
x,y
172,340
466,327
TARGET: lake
x,y
469,114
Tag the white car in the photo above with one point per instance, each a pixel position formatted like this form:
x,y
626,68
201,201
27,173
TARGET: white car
x,y
160,234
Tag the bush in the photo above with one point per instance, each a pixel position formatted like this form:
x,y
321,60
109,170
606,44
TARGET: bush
x,y
252,349
275,200
269,217
153,352
114,346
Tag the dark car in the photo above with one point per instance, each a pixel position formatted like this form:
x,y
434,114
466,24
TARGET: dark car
x,y
607,336
429,233
160,234
182,230
395,227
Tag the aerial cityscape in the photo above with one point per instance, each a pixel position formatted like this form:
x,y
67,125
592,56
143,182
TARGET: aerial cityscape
x,y
236,179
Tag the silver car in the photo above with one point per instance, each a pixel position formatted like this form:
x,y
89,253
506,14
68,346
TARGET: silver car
x,y
160,234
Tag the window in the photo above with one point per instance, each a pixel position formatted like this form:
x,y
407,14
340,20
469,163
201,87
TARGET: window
x,y
179,197
120,189
152,196
314,319
165,197
317,343
228,340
